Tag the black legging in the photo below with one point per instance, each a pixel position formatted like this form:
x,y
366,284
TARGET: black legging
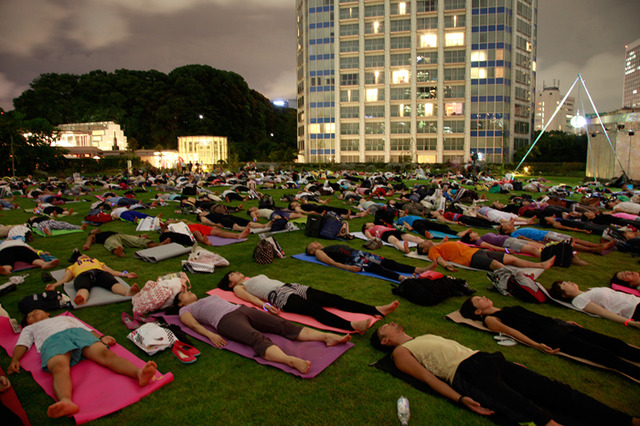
x,y
388,268
11,255
315,302
522,395
421,226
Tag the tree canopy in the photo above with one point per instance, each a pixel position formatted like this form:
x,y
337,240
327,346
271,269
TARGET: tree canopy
x,y
555,146
154,108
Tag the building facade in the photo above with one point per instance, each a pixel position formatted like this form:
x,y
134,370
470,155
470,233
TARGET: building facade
x,y
206,151
631,82
421,80
103,136
547,101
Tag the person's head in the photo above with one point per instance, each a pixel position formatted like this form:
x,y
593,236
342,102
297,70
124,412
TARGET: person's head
x,y
384,338
424,246
506,228
94,231
564,290
367,226
475,307
183,298
612,203
589,215
312,247
470,237
496,205
230,280
34,316
293,205
253,209
626,278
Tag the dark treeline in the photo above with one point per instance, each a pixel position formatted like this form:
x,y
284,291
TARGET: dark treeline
x,y
555,147
155,108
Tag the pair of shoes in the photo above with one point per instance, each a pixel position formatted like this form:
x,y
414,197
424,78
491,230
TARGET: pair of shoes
x,y
46,277
129,322
504,340
185,353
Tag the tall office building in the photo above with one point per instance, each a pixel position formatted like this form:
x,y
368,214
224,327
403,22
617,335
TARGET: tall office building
x,y
631,85
547,101
419,80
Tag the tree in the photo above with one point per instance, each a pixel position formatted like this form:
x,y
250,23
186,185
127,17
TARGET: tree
x,y
555,146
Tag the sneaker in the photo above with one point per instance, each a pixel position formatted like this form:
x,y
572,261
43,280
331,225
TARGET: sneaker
x,y
74,256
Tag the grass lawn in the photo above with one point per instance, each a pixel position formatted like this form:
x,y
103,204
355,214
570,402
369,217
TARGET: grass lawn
x,y
222,387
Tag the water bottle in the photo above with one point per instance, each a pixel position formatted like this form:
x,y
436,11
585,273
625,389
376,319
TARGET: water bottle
x,y
403,410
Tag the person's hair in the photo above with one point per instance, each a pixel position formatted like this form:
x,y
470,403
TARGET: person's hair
x,y
616,280
224,282
421,250
467,310
466,238
494,204
175,305
556,292
290,203
501,230
307,251
377,343
364,227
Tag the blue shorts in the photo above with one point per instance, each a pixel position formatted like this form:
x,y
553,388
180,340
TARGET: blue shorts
x,y
72,340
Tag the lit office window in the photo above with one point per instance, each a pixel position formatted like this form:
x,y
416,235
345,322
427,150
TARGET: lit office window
x,y
454,39
478,55
314,128
478,73
372,95
400,76
428,40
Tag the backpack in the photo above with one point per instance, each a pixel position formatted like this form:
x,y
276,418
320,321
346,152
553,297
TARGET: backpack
x,y
266,202
429,292
562,250
313,226
49,300
514,282
190,189
331,228
98,216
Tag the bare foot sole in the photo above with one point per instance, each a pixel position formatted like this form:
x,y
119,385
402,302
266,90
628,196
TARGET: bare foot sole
x,y
301,365
51,264
118,251
406,247
245,232
361,326
387,309
62,408
5,270
47,232
428,268
79,300
146,373
335,339
135,288
549,263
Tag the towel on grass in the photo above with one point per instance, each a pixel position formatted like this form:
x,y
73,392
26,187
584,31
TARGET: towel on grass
x,y
302,319
459,319
97,390
56,232
163,252
312,259
97,296
361,236
219,241
318,353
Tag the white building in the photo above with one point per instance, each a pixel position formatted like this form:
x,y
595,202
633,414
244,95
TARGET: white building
x,y
631,82
547,101
418,80
103,135
206,151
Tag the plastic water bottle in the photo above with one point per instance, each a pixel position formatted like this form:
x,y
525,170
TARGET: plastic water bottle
x,y
403,410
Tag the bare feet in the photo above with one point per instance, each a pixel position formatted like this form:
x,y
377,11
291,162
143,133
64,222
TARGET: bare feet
x,y
47,231
70,212
608,246
135,288
335,339
428,235
83,226
431,267
406,247
245,232
62,408
5,270
300,364
577,261
86,247
361,326
387,309
146,373
548,263
118,251
51,264
79,300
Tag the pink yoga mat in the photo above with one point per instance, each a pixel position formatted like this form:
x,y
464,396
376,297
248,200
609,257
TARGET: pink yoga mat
x,y
219,241
97,390
318,353
302,319
11,401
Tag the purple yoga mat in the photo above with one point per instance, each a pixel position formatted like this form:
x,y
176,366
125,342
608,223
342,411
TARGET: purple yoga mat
x,y
318,353
218,241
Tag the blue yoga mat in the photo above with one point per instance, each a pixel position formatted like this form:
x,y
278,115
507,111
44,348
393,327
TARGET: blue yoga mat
x,y
313,259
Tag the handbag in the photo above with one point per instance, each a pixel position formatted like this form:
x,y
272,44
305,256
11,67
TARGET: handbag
x,y
374,244
203,261
159,294
152,338
562,250
263,253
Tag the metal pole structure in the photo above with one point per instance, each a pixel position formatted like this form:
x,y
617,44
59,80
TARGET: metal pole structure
x,y
603,128
13,167
548,122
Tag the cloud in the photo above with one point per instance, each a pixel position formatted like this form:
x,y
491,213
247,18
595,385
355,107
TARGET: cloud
x,y
8,91
604,86
282,86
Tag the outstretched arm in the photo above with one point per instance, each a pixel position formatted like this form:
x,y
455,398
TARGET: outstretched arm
x,y
18,353
322,257
496,325
595,309
241,291
68,276
406,363
188,320
115,273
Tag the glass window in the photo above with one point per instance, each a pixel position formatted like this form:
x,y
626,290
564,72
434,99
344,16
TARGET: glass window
x,y
427,58
349,145
427,92
454,39
400,59
348,29
349,62
350,95
374,27
454,56
427,5
372,95
401,42
400,144
374,111
427,75
374,44
426,144
400,8
349,12
401,110
454,4
428,23
374,61
451,126
400,93
375,77
454,74
374,145
428,40
349,79
374,10
453,108
454,21
349,46
400,77
400,127
349,112
453,91
478,55
373,128
400,25
427,127
426,110
453,144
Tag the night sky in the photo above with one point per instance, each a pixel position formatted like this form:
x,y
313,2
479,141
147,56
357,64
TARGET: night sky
x,y
257,39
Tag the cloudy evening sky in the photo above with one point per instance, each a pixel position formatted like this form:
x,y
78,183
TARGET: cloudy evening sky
x,y
256,39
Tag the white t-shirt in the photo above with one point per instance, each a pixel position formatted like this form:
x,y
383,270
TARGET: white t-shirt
x,y
627,206
623,304
40,331
261,285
